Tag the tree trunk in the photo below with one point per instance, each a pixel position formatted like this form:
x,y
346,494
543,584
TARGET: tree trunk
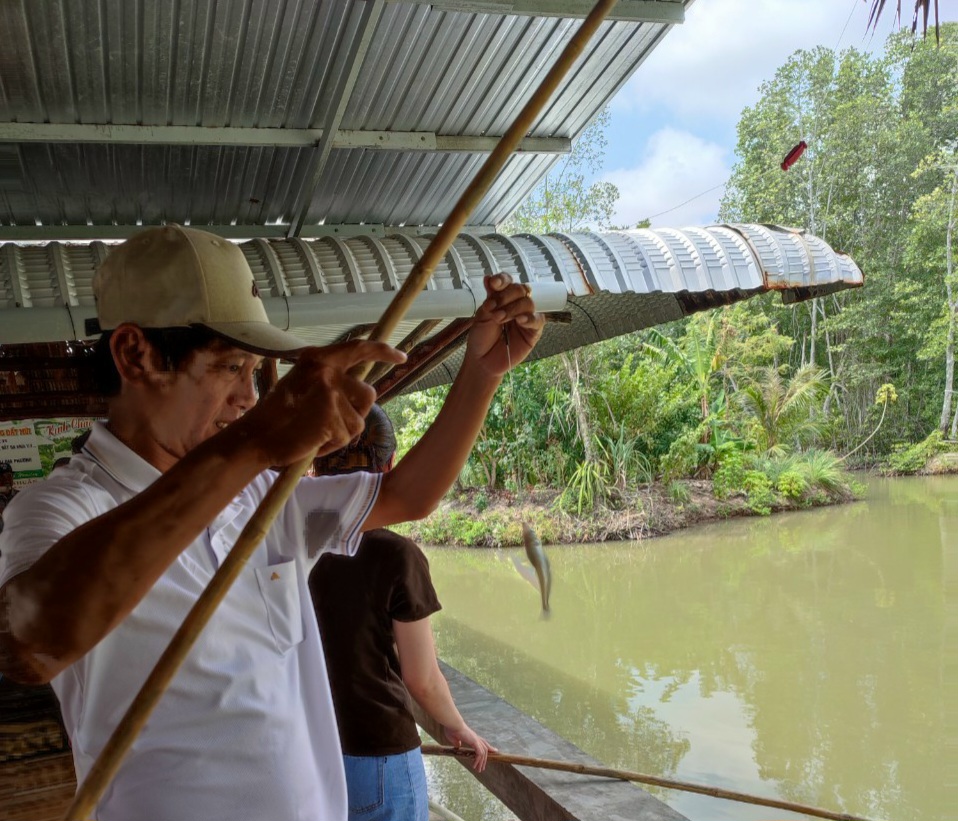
x,y
828,342
954,425
492,473
583,425
949,367
952,311
813,229
811,335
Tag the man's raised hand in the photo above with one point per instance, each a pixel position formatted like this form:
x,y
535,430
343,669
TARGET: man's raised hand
x,y
319,406
506,326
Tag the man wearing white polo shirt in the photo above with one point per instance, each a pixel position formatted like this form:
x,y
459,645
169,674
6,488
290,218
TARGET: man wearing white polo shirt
x,y
100,563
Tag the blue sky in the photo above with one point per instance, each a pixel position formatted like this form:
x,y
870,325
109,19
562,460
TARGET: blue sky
x,y
672,134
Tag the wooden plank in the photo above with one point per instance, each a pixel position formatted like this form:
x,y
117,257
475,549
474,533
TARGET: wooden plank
x,y
38,789
531,793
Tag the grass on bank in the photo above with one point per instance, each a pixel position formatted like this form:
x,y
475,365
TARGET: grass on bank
x,y
933,455
597,511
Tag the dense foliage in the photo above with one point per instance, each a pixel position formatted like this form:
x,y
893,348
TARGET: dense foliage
x,y
767,399
878,182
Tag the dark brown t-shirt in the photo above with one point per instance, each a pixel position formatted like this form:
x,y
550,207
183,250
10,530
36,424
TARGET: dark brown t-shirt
x,y
356,599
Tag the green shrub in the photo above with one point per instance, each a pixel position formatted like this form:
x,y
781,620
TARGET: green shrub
x,y
792,484
556,465
626,465
589,488
907,459
758,488
775,466
454,528
812,469
481,501
682,460
823,469
729,479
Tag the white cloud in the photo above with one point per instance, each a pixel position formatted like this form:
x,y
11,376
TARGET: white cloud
x,y
675,166
693,87
712,65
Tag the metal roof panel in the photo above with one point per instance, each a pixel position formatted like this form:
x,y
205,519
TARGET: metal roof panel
x,y
265,64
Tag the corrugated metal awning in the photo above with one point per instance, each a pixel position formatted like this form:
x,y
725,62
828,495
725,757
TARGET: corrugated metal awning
x,y
322,288
335,288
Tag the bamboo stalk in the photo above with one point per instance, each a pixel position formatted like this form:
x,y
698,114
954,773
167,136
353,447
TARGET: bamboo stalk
x,y
424,358
628,775
108,762
476,190
406,345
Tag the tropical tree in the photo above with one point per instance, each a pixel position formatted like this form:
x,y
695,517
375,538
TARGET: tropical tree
x,y
931,246
565,200
922,7
782,413
696,354
869,122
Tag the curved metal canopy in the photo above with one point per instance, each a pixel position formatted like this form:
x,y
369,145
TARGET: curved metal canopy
x,y
320,289
335,288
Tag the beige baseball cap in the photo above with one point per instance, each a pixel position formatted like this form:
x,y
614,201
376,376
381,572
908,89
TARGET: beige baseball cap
x,y
173,277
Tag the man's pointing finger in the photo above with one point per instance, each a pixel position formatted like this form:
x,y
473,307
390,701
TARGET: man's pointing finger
x,y
349,354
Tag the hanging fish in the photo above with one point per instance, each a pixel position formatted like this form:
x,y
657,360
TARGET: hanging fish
x,y
792,156
540,562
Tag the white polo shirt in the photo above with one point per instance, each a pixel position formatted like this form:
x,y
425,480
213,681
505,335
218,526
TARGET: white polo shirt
x,y
246,729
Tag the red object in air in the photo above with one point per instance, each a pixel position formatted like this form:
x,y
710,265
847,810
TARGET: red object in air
x,y
793,155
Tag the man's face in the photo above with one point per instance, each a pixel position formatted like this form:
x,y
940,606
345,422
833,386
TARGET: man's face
x,y
213,389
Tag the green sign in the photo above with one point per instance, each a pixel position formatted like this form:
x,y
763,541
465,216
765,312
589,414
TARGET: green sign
x,y
32,446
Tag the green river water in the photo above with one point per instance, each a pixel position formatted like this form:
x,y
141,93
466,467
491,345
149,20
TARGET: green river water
x,y
809,656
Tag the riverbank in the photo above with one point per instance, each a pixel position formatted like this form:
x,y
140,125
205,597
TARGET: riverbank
x,y
478,518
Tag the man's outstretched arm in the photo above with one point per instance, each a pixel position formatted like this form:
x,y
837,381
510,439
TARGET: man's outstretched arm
x,y
506,329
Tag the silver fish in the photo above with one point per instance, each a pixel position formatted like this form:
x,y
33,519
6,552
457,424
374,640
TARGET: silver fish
x,y
540,562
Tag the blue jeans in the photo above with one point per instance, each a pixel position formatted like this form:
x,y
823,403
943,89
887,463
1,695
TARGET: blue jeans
x,y
387,787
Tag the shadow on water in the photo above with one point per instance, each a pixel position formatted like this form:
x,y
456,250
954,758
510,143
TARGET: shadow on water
x,y
569,706
801,656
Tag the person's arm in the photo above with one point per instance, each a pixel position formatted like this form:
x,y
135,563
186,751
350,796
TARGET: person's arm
x,y
55,611
416,485
427,685
88,581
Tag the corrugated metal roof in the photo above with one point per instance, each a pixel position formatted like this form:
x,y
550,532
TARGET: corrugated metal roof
x,y
320,288
265,64
334,287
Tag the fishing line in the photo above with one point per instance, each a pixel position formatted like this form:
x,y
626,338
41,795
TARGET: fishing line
x,y
820,102
845,27
770,171
513,413
691,199
512,384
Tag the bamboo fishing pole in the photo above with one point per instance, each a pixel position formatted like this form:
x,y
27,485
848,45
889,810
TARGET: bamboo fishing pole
x,y
628,775
108,762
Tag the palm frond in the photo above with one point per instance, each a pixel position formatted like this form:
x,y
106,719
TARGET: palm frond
x,y
922,7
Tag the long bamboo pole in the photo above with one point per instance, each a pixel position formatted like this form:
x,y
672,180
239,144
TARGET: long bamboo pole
x,y
108,762
628,775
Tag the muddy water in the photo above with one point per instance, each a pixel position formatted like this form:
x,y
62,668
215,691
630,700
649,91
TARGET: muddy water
x,y
809,656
